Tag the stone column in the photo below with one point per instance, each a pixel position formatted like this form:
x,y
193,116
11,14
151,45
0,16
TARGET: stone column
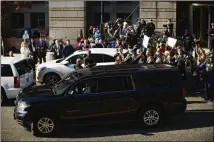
x,y
66,19
159,12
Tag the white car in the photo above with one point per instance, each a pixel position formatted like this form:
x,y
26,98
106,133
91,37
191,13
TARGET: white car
x,y
52,71
16,75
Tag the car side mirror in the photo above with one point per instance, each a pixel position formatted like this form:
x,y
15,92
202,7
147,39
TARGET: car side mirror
x,y
65,62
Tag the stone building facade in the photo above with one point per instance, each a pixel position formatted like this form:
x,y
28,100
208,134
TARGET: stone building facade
x,y
66,17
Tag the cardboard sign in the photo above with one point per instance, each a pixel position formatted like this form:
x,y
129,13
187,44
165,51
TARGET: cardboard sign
x,y
145,41
171,42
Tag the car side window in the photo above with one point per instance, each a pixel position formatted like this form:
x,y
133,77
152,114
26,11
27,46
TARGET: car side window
x,y
143,81
98,58
6,70
84,87
73,59
117,83
23,67
108,58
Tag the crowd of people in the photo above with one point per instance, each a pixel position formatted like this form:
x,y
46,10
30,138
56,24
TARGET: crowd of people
x,y
121,35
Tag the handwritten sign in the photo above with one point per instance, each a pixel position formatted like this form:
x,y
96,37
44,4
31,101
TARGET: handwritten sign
x,y
145,41
171,42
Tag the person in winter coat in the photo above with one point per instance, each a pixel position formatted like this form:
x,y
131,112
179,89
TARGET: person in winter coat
x,y
68,49
33,53
41,47
25,52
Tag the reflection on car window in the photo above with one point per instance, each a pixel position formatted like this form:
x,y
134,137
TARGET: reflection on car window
x,y
73,59
66,82
84,87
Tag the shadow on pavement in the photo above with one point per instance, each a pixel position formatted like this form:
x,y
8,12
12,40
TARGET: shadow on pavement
x,y
188,120
9,102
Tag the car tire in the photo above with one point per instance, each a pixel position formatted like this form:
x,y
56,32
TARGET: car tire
x,y
151,116
51,79
44,126
3,96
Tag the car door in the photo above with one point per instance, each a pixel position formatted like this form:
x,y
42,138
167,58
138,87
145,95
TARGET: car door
x,y
117,96
25,73
7,77
68,68
83,101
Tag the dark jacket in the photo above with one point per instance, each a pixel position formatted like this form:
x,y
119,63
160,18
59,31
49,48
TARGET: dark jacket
x,y
41,48
67,50
212,39
89,62
169,29
150,29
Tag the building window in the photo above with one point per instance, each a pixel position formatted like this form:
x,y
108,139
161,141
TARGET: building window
x,y
37,20
17,20
97,18
39,2
124,16
124,2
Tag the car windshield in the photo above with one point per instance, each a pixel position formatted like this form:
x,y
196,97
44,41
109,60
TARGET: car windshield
x,y
65,83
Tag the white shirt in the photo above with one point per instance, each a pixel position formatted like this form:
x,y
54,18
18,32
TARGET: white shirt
x,y
25,52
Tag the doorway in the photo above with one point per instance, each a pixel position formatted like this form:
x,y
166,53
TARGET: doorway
x,y
203,16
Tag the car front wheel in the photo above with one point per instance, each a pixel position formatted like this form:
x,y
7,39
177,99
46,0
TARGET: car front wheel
x,y
151,116
44,126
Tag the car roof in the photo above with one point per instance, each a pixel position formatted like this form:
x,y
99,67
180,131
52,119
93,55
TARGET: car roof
x,y
127,68
9,60
107,51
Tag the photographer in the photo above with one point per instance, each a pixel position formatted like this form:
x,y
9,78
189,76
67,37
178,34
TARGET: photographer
x,y
169,28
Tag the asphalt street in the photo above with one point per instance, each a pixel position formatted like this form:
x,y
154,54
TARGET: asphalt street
x,y
196,124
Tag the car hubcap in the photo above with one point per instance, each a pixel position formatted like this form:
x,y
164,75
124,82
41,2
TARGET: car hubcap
x,y
151,117
45,125
52,79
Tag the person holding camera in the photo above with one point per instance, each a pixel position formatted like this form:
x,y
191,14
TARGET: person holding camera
x,y
169,28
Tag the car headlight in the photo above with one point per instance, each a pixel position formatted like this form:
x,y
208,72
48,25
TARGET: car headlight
x,y
22,106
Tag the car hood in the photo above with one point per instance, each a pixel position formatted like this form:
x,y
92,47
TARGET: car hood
x,y
36,94
50,62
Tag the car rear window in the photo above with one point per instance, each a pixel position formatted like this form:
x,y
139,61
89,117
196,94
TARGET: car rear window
x,y
23,67
6,70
